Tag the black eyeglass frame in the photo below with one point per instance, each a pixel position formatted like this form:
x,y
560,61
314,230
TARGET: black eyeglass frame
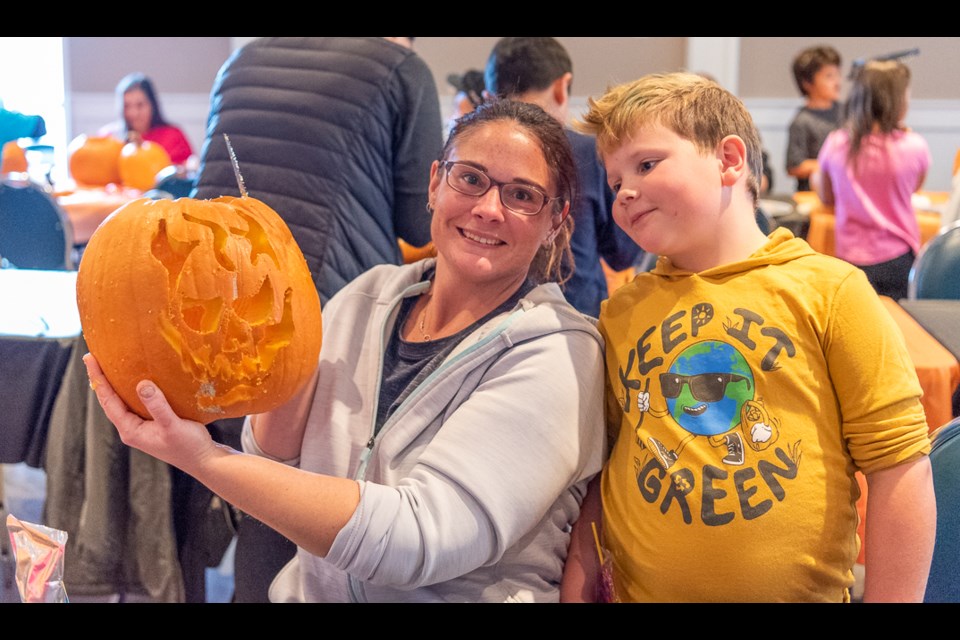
x,y
446,164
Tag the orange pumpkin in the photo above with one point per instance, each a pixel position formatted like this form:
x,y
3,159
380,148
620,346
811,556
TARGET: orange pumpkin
x,y
94,161
14,158
210,299
140,162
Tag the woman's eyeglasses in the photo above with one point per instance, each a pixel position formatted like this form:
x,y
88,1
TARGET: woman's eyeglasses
x,y
705,387
520,198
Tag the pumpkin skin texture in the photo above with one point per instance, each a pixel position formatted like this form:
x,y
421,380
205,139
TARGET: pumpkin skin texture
x,y
140,162
14,158
94,161
210,299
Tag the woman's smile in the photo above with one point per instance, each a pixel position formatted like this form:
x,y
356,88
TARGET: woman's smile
x,y
480,238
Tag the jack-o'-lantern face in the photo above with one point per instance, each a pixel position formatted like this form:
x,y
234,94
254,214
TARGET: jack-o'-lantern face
x,y
212,300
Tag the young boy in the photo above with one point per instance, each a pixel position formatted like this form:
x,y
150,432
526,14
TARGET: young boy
x,y
748,379
816,71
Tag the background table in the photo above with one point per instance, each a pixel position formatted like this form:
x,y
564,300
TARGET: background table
x,y
939,373
941,319
39,326
133,522
785,212
87,208
937,368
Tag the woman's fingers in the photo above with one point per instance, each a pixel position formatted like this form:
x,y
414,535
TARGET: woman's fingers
x,y
156,403
166,437
113,406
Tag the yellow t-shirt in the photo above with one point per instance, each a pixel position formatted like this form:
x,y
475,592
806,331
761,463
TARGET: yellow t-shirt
x,y
741,401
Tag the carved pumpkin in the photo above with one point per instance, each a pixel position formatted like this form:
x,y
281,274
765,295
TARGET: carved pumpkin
x,y
94,161
210,299
14,158
140,162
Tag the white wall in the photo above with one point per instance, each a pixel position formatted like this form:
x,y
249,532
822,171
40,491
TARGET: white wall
x,y
938,121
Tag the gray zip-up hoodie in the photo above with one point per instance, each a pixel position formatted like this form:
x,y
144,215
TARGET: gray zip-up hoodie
x,y
469,490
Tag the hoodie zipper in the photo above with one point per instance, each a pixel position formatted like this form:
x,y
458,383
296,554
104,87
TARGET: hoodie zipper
x,y
354,584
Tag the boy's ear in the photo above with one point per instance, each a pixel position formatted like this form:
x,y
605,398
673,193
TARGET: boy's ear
x,y
732,152
560,88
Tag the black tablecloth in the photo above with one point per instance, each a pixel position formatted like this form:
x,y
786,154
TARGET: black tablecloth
x,y
31,370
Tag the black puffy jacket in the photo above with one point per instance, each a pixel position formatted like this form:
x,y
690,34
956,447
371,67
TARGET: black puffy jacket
x,y
335,134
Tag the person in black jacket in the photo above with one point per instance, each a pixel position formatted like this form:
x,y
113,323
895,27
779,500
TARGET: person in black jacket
x,y
337,135
539,70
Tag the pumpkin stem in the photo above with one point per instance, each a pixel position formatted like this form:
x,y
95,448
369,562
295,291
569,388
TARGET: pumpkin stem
x,y
236,166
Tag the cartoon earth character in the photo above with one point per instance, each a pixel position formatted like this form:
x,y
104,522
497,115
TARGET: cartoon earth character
x,y
706,387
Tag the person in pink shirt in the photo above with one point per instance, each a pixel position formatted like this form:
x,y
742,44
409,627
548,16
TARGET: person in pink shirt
x,y
869,170
141,116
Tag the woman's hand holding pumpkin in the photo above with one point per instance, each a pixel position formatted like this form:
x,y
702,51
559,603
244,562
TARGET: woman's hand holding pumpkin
x,y
181,443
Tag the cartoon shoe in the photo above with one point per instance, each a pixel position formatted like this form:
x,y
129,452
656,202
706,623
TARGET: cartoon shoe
x,y
665,456
760,429
734,444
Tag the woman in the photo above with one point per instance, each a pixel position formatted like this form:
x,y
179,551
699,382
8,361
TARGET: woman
x,y
869,170
141,117
443,446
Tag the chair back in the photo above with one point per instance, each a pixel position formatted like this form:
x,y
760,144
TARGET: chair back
x,y
943,585
936,271
35,233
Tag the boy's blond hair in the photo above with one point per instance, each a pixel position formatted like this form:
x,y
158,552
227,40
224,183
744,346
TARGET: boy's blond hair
x,y
692,106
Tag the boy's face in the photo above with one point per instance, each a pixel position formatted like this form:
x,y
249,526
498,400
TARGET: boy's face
x,y
825,85
668,194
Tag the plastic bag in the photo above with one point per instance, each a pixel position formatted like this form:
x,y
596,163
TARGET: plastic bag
x,y
39,552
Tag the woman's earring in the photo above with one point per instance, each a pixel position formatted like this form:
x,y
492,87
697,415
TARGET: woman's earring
x,y
430,209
